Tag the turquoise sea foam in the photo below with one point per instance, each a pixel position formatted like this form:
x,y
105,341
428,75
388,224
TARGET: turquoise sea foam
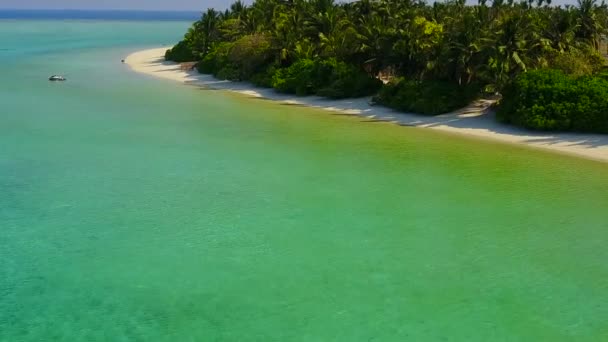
x,y
133,208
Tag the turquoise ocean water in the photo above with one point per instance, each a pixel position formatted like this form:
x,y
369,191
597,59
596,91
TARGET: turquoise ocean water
x,y
137,209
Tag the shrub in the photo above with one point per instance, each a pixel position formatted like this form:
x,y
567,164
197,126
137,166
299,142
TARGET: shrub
x,y
229,72
207,64
250,54
603,73
180,53
348,81
328,78
426,97
551,100
216,62
577,62
300,78
237,61
264,78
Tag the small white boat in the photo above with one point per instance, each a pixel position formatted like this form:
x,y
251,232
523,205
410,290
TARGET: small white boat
x,y
57,78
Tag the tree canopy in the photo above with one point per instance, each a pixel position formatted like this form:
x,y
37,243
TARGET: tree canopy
x,y
430,46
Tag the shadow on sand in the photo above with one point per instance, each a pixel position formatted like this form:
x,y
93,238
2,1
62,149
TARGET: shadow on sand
x,y
476,119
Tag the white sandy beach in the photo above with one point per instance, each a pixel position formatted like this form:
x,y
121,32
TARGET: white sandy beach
x,y
474,120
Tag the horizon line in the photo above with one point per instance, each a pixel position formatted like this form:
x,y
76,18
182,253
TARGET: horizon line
x,y
99,10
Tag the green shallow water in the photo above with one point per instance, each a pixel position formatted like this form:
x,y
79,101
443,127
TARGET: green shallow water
x,y
135,209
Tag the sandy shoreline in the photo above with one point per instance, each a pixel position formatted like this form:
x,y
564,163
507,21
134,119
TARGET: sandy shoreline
x,y
474,120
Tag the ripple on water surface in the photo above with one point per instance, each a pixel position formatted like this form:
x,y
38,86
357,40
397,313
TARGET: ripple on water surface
x,y
141,210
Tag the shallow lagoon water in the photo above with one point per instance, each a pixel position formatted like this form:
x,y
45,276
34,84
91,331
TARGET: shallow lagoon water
x,y
133,208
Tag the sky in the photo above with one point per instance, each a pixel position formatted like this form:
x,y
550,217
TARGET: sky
x,y
151,5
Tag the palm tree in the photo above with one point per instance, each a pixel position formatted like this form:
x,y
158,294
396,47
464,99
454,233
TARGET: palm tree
x,y
450,41
464,55
590,27
560,29
238,9
208,28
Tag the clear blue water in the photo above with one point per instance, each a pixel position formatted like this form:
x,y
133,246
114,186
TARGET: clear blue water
x,y
137,209
98,15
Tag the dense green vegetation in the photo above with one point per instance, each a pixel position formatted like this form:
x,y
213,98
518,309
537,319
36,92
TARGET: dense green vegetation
x,y
437,57
180,53
552,100
429,96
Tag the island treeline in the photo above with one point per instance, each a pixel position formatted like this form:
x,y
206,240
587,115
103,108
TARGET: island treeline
x,y
544,60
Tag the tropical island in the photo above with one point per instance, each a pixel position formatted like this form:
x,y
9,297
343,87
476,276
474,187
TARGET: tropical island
x,y
148,201
544,60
